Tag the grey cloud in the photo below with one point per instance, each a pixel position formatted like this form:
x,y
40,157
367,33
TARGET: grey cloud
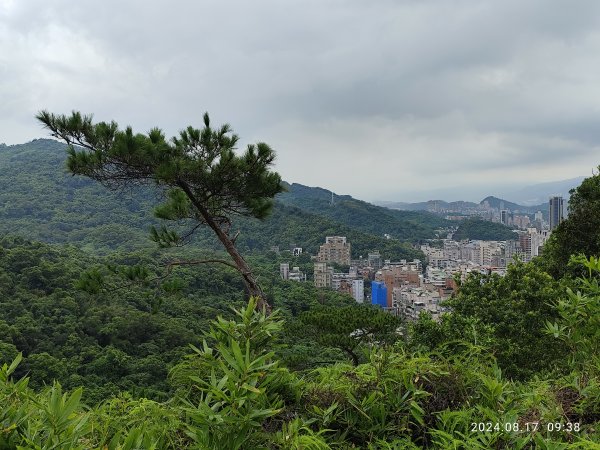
x,y
431,91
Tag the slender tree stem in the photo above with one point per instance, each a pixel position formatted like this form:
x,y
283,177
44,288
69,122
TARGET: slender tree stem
x,y
240,264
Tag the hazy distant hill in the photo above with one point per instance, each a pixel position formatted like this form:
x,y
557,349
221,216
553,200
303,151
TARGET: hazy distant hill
x,y
440,206
431,205
526,200
539,193
41,201
498,203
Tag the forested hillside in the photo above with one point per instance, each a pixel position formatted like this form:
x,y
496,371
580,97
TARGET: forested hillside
x,y
121,335
290,226
441,388
41,201
403,225
478,229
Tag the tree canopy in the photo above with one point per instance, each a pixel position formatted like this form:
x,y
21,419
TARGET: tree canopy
x,y
206,182
579,233
348,327
478,229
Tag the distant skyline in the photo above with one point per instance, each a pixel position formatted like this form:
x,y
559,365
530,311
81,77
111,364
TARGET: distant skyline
x,y
389,100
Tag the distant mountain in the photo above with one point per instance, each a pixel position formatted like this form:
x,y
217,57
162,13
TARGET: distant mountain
x,y
540,193
498,203
529,199
462,207
431,205
41,201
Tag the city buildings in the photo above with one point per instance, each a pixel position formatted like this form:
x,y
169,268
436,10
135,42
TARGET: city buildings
x,y
398,274
404,288
358,290
411,302
531,243
292,275
374,260
284,271
296,275
350,283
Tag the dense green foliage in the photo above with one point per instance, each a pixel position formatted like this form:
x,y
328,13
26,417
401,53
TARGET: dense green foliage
x,y
119,335
579,233
424,397
233,393
478,229
108,341
350,327
506,314
40,201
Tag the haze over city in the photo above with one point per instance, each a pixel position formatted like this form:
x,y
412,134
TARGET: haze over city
x,y
402,101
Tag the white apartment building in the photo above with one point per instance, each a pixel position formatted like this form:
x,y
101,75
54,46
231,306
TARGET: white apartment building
x,y
358,290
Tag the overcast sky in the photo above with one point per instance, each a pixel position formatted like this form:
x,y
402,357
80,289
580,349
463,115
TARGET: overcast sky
x,y
383,100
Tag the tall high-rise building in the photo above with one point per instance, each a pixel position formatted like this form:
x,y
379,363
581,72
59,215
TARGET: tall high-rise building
x,y
556,212
336,249
504,217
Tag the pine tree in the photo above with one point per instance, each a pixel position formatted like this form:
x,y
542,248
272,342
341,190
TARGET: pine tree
x,y
206,181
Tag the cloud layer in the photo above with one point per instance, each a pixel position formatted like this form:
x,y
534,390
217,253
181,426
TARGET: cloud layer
x,y
380,100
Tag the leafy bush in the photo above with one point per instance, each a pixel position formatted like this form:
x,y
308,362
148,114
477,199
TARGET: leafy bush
x,y
233,393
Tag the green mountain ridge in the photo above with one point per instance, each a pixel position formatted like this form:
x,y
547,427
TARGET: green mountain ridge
x,y
41,201
403,225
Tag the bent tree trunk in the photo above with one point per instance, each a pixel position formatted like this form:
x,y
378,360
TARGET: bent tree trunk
x,y
252,286
353,356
